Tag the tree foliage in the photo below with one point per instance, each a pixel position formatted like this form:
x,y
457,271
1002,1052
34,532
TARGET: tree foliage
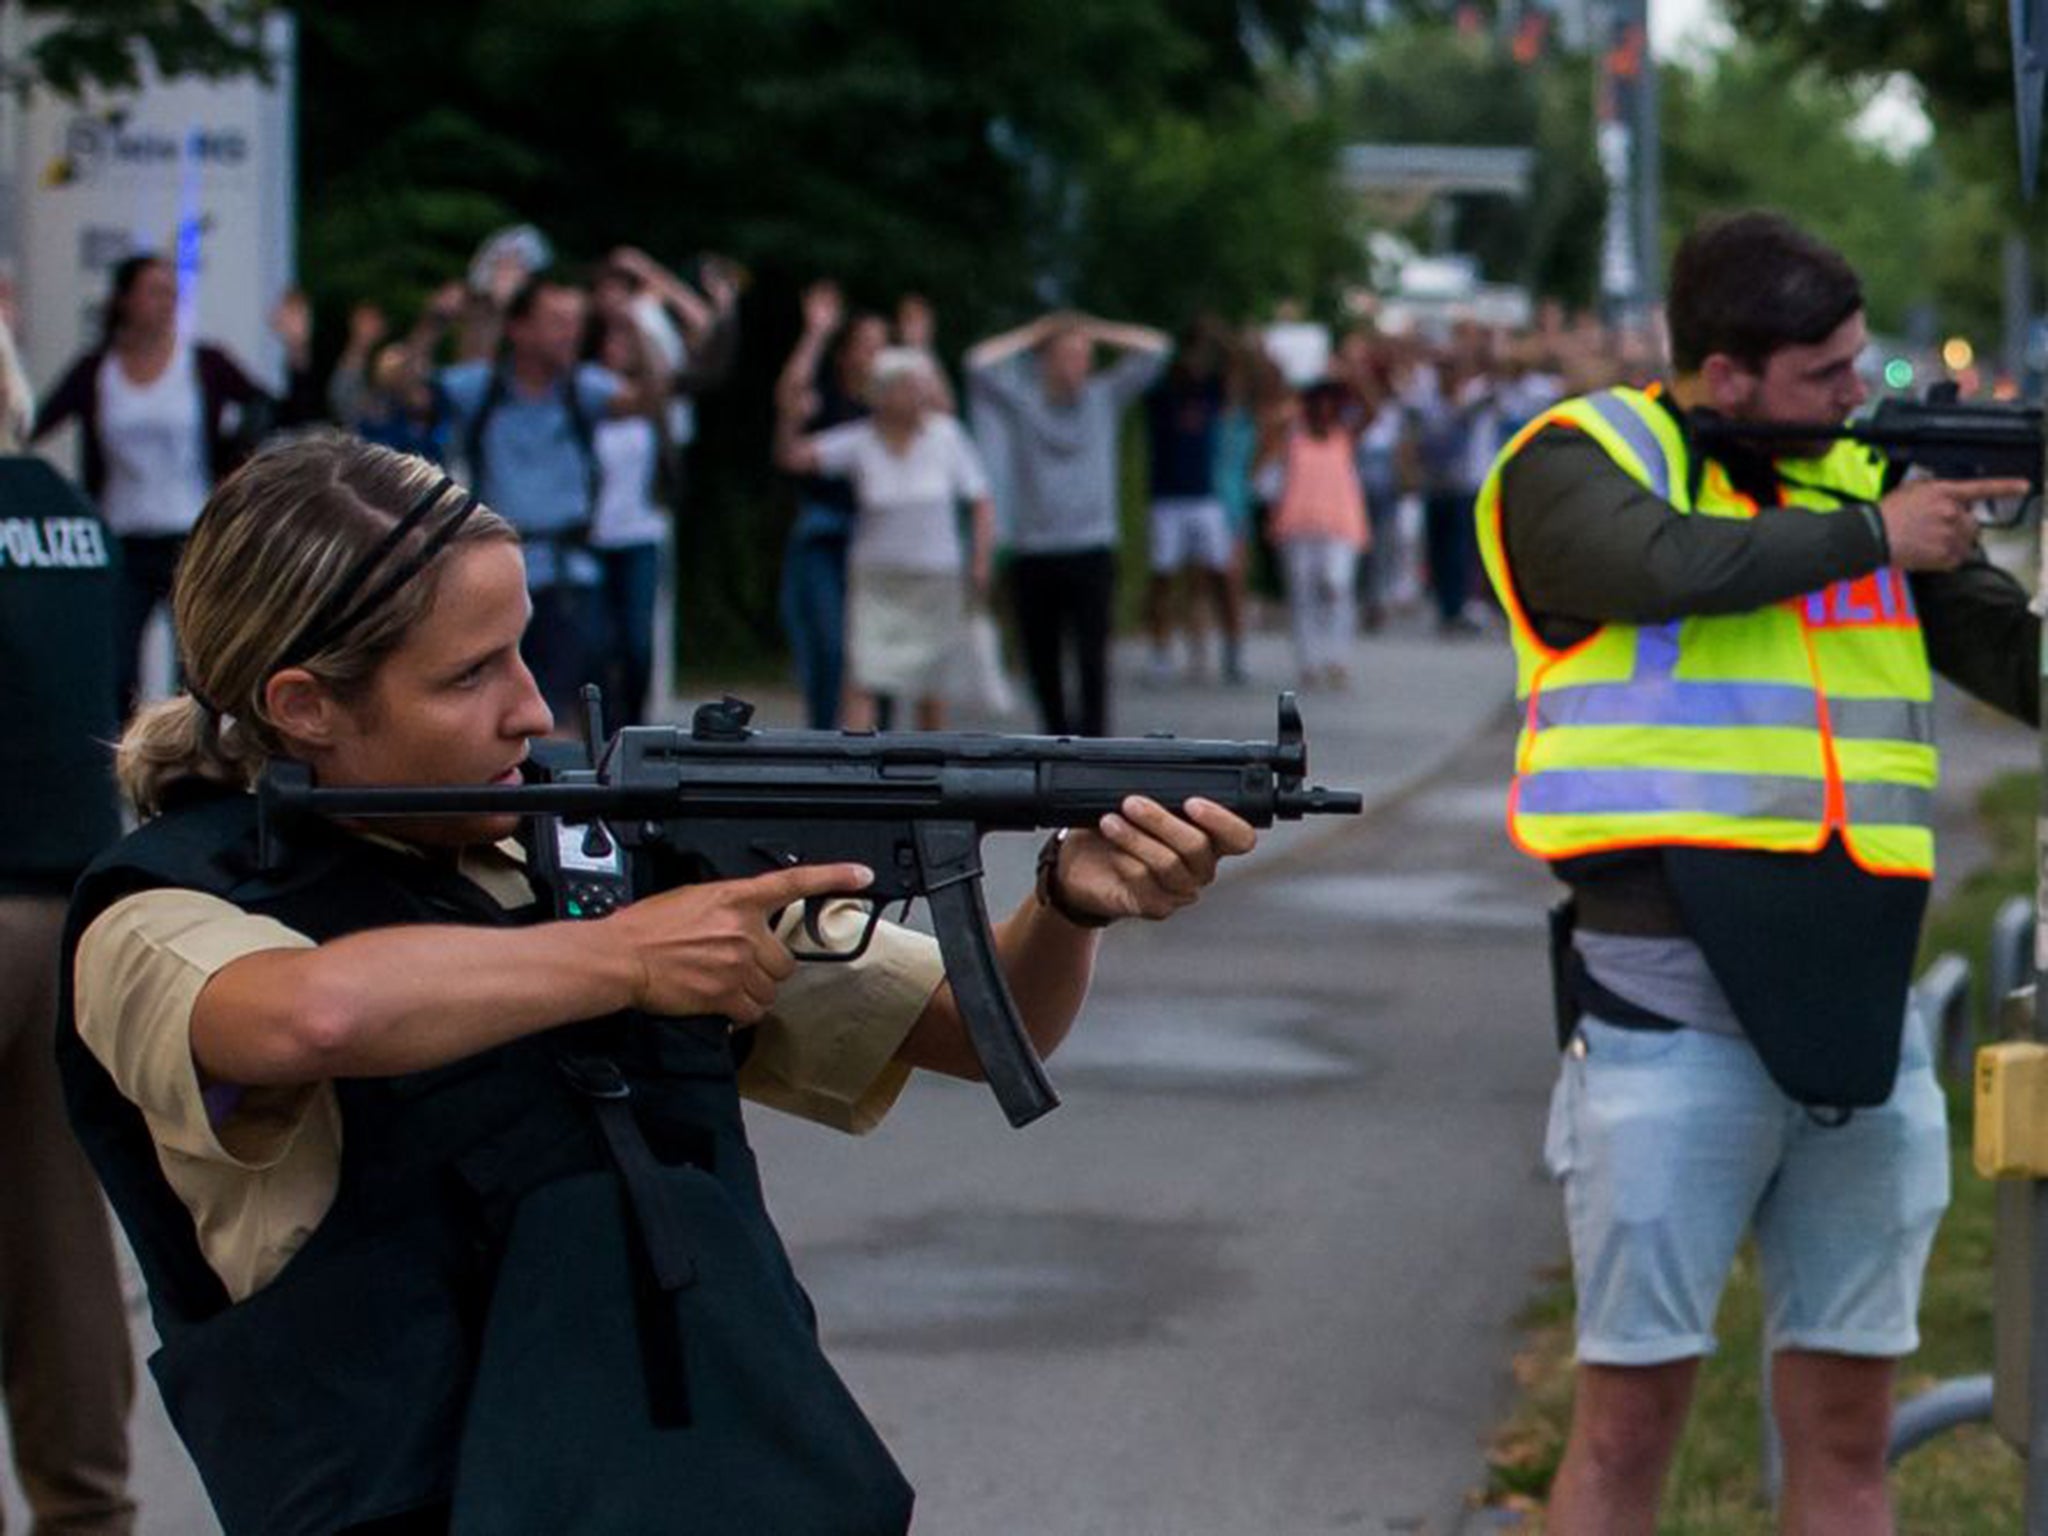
x,y
1756,129
1433,83
107,42
1958,53
1131,156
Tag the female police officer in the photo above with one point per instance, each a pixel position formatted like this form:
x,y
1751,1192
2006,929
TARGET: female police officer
x,y
414,1268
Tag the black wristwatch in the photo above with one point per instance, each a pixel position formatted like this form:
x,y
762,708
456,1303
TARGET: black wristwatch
x,y
1052,894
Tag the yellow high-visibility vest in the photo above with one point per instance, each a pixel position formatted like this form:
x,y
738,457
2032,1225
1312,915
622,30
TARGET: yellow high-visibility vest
x,y
1771,730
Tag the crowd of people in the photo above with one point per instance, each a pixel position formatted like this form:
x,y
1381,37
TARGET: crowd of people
x,y
1343,491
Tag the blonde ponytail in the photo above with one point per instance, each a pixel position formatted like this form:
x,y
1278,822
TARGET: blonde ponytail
x,y
180,738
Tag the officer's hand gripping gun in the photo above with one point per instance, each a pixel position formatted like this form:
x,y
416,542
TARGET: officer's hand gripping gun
x,y
723,800
1946,437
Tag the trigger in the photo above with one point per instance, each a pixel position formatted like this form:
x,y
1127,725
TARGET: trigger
x,y
814,911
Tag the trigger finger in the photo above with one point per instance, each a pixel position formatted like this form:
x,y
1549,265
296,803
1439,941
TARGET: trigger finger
x,y
774,957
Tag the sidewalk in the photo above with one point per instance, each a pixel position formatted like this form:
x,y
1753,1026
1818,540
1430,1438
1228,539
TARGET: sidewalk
x,y
1414,701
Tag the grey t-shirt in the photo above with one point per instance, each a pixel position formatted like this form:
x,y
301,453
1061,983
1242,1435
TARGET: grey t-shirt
x,y
1668,976
1061,456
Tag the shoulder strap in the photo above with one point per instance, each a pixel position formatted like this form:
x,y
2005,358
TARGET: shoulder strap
x,y
473,439
581,428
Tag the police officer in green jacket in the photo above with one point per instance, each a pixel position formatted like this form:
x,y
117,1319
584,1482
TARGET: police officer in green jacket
x,y
1725,664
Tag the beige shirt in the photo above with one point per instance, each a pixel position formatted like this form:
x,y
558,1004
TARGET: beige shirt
x,y
259,1175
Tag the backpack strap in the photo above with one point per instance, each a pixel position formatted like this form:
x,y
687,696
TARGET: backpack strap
x,y
473,439
581,429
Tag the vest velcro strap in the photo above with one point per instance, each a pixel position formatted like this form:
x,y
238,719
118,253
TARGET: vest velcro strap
x,y
661,1248
1881,719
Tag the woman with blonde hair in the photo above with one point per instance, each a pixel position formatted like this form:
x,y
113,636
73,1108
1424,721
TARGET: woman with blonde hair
x,y
356,1094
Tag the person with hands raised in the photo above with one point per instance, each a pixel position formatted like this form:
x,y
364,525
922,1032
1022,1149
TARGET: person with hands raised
x,y
912,584
162,416
1052,424
823,385
445,1206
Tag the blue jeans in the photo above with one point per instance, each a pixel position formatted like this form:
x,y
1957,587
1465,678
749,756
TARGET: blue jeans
x,y
562,646
814,608
1671,1144
626,656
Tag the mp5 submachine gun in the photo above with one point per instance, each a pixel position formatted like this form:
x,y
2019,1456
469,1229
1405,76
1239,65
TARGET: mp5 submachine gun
x,y
1941,435
660,806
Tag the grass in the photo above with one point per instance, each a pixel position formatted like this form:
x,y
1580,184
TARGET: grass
x,y
1963,1484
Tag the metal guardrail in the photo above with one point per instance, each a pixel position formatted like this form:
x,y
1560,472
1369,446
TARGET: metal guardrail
x,y
2010,963
1942,999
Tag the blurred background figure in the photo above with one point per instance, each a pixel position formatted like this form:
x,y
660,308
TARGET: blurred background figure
x,y
382,390
1451,419
1061,419
668,344
70,1373
913,578
1319,528
823,385
161,417
1192,545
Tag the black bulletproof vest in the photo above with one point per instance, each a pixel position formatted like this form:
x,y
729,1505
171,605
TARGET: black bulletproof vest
x,y
57,678
490,1320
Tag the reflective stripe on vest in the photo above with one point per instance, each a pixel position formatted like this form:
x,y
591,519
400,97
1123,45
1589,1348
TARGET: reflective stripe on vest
x,y
1771,729
1763,797
1666,702
1638,434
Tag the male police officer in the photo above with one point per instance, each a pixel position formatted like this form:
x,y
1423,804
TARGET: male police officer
x,y
70,1373
1727,757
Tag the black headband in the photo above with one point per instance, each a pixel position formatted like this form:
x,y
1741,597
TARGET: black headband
x,y
343,611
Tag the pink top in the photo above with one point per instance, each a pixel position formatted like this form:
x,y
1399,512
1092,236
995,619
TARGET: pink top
x,y
1322,498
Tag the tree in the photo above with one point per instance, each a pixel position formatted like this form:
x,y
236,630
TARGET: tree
x,y
1959,55
1122,153
106,42
1754,129
1433,83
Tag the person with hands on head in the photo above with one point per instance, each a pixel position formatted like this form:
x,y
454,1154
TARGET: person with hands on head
x,y
392,1146
526,426
1726,657
1052,430
912,584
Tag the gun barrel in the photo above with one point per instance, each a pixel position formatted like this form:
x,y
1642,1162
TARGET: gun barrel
x,y
1016,783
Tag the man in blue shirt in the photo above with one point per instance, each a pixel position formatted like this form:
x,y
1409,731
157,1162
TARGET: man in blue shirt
x,y
524,425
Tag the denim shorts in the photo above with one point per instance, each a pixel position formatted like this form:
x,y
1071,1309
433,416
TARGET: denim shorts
x,y
1672,1144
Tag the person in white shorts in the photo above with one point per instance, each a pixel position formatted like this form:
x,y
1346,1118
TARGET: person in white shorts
x,y
1190,527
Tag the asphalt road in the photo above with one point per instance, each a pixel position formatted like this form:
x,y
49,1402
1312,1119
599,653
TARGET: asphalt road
x,y
1258,1273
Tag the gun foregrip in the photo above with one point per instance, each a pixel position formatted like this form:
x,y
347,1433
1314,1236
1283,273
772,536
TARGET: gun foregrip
x,y
950,853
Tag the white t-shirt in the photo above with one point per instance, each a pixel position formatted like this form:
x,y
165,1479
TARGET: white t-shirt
x,y
153,440
627,513
908,503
